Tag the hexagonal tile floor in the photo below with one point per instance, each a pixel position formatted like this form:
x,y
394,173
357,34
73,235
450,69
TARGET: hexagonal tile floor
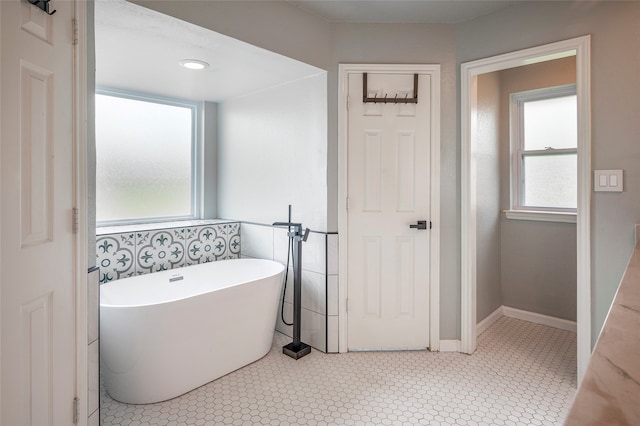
x,y
521,374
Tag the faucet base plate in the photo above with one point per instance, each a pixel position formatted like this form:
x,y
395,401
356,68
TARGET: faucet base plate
x,y
296,351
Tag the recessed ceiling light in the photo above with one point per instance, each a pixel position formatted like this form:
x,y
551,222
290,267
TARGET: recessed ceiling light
x,y
194,64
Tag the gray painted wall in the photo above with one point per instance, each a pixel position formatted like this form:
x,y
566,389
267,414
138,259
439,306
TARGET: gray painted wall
x,y
538,258
539,267
488,257
272,152
283,28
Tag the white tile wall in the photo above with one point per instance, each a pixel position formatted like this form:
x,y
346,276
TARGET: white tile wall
x,y
319,290
287,330
257,241
93,351
332,254
94,420
314,329
288,297
288,306
332,295
93,305
281,247
314,257
93,400
314,289
332,334
314,304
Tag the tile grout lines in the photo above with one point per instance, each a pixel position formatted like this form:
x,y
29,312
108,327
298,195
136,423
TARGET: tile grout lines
x,y
522,373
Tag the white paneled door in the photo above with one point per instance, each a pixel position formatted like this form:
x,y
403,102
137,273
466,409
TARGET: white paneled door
x,y
37,188
388,191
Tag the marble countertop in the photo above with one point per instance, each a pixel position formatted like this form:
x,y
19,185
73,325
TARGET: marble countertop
x,y
610,390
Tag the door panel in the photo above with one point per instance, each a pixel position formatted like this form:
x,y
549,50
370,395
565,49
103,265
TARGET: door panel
x,y
37,249
388,190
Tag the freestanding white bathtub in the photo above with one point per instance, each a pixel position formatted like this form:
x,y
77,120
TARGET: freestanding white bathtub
x,y
166,333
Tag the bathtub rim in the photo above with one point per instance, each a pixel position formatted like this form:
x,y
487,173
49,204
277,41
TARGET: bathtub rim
x,y
279,266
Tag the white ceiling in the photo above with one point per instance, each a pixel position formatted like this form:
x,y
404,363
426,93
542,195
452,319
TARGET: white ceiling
x,y
401,11
139,49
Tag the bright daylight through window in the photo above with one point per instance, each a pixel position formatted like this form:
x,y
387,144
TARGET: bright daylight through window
x,y
544,148
145,158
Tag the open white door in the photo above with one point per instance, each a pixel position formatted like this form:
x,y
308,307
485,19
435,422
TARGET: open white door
x,y
389,146
38,251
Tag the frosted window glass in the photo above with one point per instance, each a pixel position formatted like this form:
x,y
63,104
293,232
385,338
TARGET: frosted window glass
x,y
143,159
551,181
551,123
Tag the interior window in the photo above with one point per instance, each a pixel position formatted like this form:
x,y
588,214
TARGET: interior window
x,y
544,141
145,157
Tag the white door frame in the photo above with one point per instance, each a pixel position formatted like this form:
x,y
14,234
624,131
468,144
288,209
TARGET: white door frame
x,y
580,47
80,193
434,261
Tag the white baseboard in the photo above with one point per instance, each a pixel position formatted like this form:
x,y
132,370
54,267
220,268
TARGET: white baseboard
x,y
554,322
449,345
562,324
488,321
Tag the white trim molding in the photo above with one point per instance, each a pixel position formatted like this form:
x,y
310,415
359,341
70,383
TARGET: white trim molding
x,y
80,191
434,262
506,311
494,316
517,103
541,216
449,345
534,317
580,48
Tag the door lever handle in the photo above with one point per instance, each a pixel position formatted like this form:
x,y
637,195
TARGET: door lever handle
x,y
421,224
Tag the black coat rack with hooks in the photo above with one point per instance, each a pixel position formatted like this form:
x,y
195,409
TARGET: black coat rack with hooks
x,y
387,99
42,4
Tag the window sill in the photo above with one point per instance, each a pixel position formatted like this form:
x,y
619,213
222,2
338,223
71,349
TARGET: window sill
x,y
541,216
119,229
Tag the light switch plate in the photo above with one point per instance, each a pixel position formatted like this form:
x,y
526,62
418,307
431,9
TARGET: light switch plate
x,y
607,180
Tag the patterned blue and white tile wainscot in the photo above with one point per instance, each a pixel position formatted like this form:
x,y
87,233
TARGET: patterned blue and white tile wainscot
x,y
123,251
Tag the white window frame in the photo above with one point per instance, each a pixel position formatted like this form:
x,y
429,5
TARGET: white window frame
x,y
196,152
518,210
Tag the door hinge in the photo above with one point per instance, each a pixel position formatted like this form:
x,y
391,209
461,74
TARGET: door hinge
x,y
346,206
76,410
74,220
348,102
75,31
346,308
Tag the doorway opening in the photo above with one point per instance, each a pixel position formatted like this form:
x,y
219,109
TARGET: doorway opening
x,y
471,72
